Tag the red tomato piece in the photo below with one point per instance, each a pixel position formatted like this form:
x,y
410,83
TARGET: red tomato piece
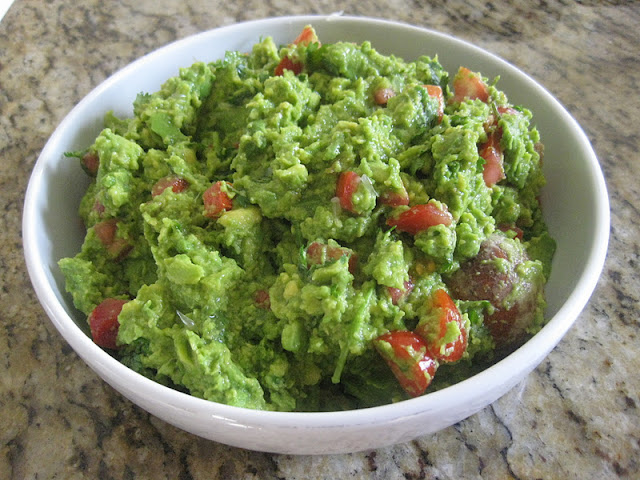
x,y
506,228
98,207
91,163
491,151
347,185
103,322
435,91
315,253
409,360
287,64
176,183
306,37
262,300
420,217
320,253
502,110
334,253
469,85
106,231
399,294
447,312
492,120
395,199
216,200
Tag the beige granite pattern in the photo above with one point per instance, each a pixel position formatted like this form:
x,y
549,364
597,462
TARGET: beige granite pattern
x,y
576,416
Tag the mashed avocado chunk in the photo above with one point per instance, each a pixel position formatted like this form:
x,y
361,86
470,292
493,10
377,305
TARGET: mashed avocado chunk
x,y
313,227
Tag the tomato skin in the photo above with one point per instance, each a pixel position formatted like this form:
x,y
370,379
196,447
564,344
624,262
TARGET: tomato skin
x,y
347,185
262,300
395,199
435,91
98,207
176,183
491,151
447,312
216,200
519,234
320,253
306,37
287,64
103,322
409,360
420,217
315,254
399,294
469,85
502,110
106,231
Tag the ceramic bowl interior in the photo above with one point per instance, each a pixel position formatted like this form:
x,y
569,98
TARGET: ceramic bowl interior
x,y
575,202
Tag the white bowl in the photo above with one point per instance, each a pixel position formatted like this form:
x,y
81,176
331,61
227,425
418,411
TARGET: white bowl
x,y
576,209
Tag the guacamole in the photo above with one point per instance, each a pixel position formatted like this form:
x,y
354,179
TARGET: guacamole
x,y
313,227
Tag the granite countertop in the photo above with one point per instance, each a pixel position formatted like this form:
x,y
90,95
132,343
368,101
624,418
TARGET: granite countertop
x,y
576,416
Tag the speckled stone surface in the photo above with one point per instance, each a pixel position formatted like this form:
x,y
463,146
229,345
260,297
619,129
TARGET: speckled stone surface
x,y
576,416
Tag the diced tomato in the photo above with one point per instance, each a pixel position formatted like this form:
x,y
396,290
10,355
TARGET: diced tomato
x,y
91,163
519,234
469,85
395,198
420,217
491,151
106,231
434,332
287,64
306,37
491,121
399,294
409,360
319,253
98,207
347,185
435,91
261,299
103,322
503,109
216,200
316,253
176,183
382,95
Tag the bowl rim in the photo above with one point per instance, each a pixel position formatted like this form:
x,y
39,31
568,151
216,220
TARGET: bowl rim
x,y
101,362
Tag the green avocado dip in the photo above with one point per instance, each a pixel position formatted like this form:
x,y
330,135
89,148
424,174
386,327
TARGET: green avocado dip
x,y
313,227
